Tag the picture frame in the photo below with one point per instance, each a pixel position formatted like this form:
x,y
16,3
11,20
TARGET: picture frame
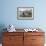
x,y
25,13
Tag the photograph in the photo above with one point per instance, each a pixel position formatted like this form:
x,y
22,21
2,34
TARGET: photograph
x,y
25,13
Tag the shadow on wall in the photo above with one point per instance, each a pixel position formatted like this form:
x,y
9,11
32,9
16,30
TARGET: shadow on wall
x,y
2,26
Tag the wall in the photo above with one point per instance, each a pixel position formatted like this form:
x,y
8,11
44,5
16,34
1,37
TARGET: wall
x,y
8,13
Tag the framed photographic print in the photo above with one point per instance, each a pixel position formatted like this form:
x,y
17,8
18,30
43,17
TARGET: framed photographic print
x,y
25,13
